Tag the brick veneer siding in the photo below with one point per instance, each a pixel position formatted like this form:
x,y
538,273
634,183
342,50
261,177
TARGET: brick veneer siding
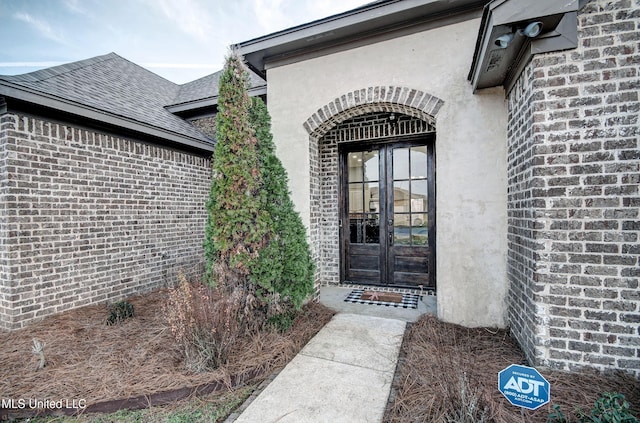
x,y
521,252
574,203
88,217
356,116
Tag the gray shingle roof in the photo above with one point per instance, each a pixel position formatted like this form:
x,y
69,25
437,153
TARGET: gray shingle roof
x,y
114,88
115,85
207,87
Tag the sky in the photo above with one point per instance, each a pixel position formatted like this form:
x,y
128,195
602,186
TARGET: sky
x,y
181,40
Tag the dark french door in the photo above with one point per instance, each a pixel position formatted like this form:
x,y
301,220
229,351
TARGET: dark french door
x,y
387,207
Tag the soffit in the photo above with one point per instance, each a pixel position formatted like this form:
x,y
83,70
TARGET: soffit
x,y
367,21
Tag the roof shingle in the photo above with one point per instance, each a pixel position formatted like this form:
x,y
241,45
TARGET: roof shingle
x,y
113,84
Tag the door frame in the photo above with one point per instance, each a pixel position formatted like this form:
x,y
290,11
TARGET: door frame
x,y
343,213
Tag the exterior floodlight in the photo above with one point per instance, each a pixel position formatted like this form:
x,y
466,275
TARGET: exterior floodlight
x,y
533,29
503,41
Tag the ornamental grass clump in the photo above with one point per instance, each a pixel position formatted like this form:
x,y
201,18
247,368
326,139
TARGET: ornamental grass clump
x,y
204,322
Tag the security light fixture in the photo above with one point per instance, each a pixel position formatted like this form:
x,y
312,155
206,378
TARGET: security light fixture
x,y
533,29
504,40
513,31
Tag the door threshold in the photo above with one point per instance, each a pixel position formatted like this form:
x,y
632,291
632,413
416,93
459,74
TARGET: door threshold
x,y
387,288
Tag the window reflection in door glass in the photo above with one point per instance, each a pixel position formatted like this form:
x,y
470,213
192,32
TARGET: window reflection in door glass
x,y
402,229
419,232
364,197
355,167
401,199
419,191
418,162
356,198
401,163
371,169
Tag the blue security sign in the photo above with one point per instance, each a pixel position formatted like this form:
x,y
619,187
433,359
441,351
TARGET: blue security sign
x,y
524,386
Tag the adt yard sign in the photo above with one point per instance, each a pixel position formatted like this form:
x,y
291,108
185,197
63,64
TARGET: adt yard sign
x,y
524,386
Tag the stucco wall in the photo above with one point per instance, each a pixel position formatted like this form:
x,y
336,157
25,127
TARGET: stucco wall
x,y
470,151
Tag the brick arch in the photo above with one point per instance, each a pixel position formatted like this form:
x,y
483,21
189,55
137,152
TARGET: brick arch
x,y
404,100
323,159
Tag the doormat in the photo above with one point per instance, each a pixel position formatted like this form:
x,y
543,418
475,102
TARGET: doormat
x,y
388,299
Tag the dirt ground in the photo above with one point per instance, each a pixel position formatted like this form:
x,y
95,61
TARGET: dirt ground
x,y
88,360
450,374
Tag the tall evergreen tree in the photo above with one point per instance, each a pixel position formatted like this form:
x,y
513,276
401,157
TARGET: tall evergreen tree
x,y
285,263
237,223
255,246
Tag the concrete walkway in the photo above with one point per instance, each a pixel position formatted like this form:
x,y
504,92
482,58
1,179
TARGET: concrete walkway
x,y
343,374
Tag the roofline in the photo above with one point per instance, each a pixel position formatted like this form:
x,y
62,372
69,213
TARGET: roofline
x,y
46,100
309,26
210,101
321,33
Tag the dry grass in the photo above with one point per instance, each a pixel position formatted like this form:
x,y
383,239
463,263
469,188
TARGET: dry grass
x,y
449,374
86,359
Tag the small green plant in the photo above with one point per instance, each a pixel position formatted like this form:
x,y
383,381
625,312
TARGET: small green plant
x,y
119,312
283,321
609,408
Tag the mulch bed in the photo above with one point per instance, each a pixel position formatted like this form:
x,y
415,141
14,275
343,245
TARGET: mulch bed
x,y
88,360
449,373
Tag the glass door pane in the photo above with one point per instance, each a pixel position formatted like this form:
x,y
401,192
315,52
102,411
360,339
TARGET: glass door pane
x,y
410,195
364,197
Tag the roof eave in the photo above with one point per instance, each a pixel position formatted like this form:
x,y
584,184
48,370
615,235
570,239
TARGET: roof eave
x,y
351,25
45,100
209,102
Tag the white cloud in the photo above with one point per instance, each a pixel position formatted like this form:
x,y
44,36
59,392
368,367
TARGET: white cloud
x,y
77,7
270,15
181,65
29,64
189,16
41,26
322,9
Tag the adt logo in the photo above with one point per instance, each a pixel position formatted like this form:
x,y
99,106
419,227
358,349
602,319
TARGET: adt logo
x,y
524,386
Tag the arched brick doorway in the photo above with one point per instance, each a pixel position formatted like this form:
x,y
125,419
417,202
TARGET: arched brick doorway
x,y
389,118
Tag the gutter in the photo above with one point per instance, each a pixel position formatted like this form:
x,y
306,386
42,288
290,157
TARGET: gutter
x,y
209,102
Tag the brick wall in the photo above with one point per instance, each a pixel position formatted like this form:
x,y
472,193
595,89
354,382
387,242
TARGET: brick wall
x,y
5,277
574,201
521,256
88,217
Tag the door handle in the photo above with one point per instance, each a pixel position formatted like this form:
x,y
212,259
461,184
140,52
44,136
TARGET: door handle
x,y
390,227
